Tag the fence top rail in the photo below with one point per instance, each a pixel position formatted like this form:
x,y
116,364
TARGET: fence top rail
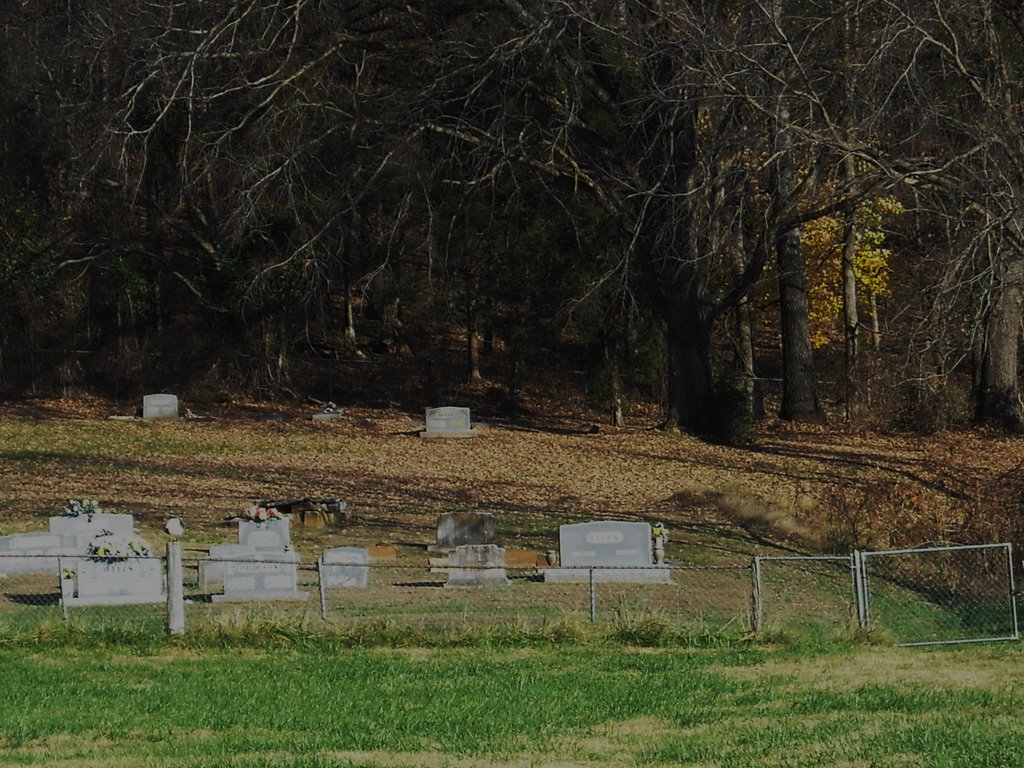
x,y
948,548
831,558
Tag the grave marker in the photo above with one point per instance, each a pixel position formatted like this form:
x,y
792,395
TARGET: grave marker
x,y
471,565
458,528
448,421
616,550
160,407
345,567
113,582
251,574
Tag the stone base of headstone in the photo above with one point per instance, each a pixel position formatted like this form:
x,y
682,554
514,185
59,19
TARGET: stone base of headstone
x,y
656,574
253,575
25,554
472,565
335,416
345,567
456,433
119,582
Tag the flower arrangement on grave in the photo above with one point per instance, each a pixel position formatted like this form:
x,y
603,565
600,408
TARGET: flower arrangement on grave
x,y
86,509
67,573
329,407
260,515
109,548
659,531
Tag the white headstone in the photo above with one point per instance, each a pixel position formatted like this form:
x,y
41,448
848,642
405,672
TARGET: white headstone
x,y
449,421
345,567
160,407
114,582
79,531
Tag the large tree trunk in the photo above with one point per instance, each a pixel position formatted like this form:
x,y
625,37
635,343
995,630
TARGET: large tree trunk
x,y
998,396
799,381
690,382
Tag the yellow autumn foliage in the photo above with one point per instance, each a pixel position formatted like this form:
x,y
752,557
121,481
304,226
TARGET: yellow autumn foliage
x,y
822,241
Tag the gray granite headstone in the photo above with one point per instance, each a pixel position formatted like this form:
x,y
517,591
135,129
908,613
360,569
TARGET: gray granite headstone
x,y
470,565
160,407
251,574
457,528
616,550
448,421
270,536
345,567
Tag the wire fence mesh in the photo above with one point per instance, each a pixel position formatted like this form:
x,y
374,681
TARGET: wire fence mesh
x,y
942,594
935,595
809,593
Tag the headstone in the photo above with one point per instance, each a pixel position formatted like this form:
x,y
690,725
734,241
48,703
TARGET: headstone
x,y
345,567
471,565
448,422
615,550
251,574
78,531
160,407
457,528
113,582
32,553
270,534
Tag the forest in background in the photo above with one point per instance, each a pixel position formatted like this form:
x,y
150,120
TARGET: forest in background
x,y
720,206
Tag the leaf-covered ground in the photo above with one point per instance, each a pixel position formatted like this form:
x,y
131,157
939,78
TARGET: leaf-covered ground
x,y
803,488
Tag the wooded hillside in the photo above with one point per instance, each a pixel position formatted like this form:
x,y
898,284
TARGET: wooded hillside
x,y
813,207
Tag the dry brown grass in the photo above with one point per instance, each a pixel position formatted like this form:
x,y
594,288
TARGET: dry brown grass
x,y
533,475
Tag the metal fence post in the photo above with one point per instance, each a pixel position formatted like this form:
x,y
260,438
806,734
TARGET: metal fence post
x,y
757,607
1013,590
60,586
593,598
175,590
860,589
323,588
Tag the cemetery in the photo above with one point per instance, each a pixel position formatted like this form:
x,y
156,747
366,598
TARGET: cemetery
x,y
523,570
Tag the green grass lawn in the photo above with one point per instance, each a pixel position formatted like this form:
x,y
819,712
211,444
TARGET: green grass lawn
x,y
121,705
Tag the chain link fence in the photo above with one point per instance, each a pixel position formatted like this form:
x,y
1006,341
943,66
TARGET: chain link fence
x,y
810,593
924,596
940,595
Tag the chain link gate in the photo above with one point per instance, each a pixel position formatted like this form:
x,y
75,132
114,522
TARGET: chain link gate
x,y
804,591
939,595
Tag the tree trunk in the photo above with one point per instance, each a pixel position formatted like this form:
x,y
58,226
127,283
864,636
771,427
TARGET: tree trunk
x,y
690,382
472,350
851,321
998,396
799,381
